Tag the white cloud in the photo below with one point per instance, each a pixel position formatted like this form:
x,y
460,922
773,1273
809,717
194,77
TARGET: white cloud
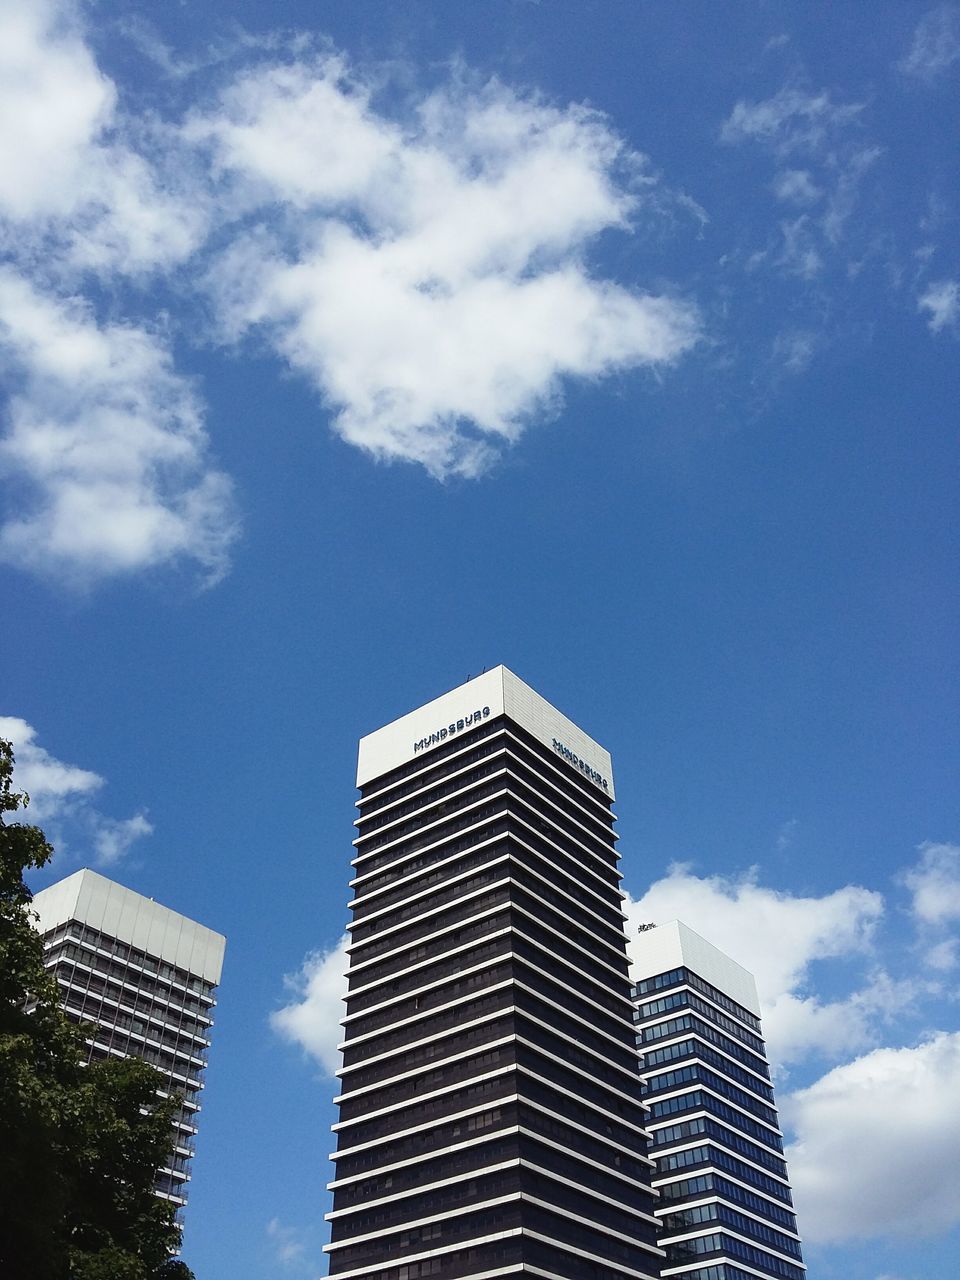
x,y
50,783
72,184
935,884
106,446
778,937
114,836
61,795
887,1121
312,1018
429,277
936,43
942,300
944,955
799,1026
103,452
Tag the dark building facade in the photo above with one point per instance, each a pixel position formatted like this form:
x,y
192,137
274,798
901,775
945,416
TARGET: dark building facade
x,y
491,1122
725,1208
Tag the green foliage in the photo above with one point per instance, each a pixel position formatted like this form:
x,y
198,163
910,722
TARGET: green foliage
x,y
79,1145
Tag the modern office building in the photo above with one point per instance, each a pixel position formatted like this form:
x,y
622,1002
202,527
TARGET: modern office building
x,y
491,1122
725,1208
144,977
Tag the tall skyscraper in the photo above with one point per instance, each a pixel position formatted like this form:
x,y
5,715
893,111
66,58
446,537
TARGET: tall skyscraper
x,y
491,1122
725,1208
145,977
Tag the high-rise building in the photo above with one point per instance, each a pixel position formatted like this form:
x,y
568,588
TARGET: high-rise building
x,y
144,977
491,1122
725,1208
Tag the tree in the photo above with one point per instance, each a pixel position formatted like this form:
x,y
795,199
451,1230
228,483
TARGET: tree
x,y
79,1145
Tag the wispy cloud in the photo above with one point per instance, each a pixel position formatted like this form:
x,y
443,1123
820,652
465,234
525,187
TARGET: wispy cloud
x,y
942,300
288,1246
809,224
61,800
428,275
821,160
793,349
796,186
105,442
792,121
936,43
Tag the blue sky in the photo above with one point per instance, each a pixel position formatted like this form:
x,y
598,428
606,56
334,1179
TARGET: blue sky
x,y
348,349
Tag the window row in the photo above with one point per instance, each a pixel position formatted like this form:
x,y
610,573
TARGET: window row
x,y
697,1099
724,1215
676,977
687,1000
693,1049
424,769
692,1156
706,1183
726,1137
149,964
689,1022
690,1250
81,981
119,971
699,1074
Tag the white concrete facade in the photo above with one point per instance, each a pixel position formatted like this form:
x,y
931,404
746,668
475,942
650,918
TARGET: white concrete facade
x,y
495,693
131,918
676,946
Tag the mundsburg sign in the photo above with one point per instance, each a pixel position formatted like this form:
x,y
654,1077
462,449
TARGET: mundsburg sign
x,y
448,731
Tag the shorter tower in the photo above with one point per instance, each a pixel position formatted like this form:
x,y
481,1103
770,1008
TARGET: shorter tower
x,y
144,976
725,1207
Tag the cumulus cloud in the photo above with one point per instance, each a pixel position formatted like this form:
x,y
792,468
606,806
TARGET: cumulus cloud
x,y
778,937
50,783
74,179
61,796
423,266
936,43
934,884
104,448
103,452
429,277
942,301
312,1018
870,1128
